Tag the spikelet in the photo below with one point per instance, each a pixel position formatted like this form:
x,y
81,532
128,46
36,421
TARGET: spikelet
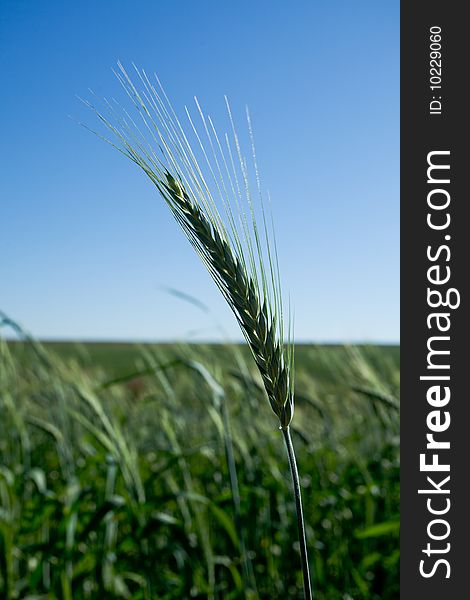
x,y
242,266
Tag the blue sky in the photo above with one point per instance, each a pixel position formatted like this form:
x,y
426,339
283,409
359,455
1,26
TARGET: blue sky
x,y
87,246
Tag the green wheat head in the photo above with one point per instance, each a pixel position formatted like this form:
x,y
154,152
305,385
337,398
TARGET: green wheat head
x,y
240,256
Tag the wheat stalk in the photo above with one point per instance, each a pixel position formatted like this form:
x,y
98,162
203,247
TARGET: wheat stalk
x,y
241,257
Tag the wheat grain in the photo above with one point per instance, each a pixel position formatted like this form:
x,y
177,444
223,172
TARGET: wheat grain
x,y
235,255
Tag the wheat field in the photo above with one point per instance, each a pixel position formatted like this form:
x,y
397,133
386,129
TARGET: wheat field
x,y
155,471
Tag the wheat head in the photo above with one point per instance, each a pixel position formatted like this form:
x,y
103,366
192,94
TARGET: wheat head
x,y
239,255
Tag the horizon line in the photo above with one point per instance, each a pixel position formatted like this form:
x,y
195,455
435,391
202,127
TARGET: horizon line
x,y
129,341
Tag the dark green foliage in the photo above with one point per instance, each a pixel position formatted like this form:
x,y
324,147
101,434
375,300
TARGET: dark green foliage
x,y
124,491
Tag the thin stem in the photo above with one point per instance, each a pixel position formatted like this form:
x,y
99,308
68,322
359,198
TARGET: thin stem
x,y
300,515
248,573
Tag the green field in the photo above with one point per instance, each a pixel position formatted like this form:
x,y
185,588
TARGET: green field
x,y
158,472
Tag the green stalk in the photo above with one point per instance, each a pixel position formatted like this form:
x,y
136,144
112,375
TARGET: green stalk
x,y
248,573
300,514
240,257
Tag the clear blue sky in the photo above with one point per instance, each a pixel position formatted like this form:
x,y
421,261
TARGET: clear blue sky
x,y
86,244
